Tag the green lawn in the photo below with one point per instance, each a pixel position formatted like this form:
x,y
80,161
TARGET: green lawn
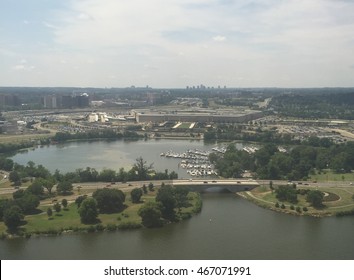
x,y
328,175
264,197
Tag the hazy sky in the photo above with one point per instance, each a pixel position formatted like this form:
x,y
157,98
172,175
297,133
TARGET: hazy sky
x,y
175,43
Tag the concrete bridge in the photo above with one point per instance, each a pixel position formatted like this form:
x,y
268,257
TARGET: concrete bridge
x,y
232,185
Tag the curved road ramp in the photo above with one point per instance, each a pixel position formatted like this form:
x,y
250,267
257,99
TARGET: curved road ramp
x,y
232,185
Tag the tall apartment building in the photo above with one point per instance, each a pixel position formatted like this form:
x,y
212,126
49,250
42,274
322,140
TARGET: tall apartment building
x,y
65,101
9,100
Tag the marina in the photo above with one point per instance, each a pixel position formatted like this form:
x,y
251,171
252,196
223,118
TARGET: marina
x,y
195,161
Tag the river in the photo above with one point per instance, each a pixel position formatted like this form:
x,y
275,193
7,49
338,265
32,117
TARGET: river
x,y
228,227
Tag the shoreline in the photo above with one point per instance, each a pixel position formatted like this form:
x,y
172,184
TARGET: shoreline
x,y
312,212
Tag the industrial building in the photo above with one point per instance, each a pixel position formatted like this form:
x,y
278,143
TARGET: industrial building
x,y
65,101
220,116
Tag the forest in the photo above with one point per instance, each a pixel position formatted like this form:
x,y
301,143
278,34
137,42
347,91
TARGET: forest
x,y
295,164
315,106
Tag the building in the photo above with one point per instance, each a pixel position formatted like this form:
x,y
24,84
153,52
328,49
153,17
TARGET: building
x,y
201,117
9,100
50,101
98,117
66,101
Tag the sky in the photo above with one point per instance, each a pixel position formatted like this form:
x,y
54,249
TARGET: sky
x,y
177,43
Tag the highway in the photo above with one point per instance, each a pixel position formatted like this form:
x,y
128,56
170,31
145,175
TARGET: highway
x,y
128,186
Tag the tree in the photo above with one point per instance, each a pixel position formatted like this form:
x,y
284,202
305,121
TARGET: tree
x,y
151,186
88,175
339,163
64,187
36,187
14,176
286,193
64,202
88,211
48,184
181,196
141,168
109,200
271,186
4,204
107,175
150,214
18,194
136,194
13,217
165,195
145,189
79,200
7,164
57,207
28,203
49,212
315,198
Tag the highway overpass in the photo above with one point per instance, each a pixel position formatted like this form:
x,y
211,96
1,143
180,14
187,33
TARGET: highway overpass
x,y
233,185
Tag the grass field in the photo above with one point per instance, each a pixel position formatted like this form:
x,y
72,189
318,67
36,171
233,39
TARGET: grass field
x,y
23,137
328,175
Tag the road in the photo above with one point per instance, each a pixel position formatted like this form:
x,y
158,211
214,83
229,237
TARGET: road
x,y
321,184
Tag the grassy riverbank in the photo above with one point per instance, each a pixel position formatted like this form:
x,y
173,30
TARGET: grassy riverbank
x,y
337,201
68,220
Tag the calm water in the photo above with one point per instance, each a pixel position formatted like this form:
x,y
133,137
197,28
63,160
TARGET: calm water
x,y
237,230
228,227
115,154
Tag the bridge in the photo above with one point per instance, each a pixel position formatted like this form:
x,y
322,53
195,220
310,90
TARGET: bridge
x,y
232,185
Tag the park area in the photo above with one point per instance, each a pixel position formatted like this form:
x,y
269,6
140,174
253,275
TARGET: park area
x,y
336,200
67,219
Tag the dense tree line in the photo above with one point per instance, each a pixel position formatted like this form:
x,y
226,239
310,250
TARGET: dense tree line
x,y
95,134
140,171
319,105
296,164
11,147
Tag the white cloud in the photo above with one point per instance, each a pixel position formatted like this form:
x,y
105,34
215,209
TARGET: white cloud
x,y
83,16
219,38
49,25
269,43
19,67
23,67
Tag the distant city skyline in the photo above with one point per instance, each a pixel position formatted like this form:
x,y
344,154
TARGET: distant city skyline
x,y
177,43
